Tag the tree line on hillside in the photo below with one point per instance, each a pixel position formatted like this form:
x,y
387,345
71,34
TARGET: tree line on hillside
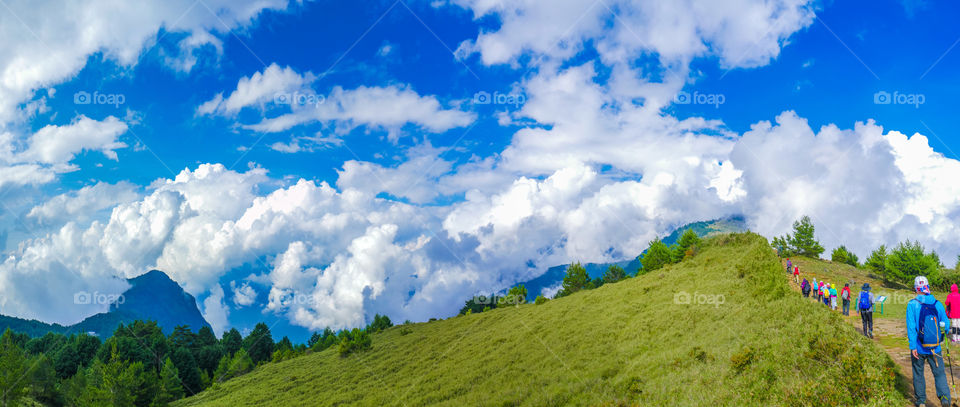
x,y
900,264
657,255
141,366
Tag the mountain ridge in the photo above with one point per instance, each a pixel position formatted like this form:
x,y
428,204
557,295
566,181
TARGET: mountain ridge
x,y
152,296
554,275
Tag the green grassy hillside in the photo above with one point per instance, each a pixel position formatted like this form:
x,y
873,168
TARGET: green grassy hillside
x,y
722,328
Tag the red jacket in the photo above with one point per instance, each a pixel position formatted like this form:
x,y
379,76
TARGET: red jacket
x,y
846,289
953,303
796,271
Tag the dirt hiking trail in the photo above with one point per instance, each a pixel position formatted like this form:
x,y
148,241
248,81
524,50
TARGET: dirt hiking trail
x,y
891,335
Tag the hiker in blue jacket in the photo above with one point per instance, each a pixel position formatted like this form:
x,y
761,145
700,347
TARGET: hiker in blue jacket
x,y
926,320
865,309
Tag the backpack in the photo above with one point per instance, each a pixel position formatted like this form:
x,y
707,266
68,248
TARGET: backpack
x,y
864,302
928,335
846,294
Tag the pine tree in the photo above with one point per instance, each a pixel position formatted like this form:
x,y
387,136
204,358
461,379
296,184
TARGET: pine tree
x,y
326,340
656,256
908,260
842,255
686,245
87,346
183,337
187,370
613,274
43,381
14,369
380,322
575,280
313,339
231,341
259,344
66,360
803,242
116,383
878,262
515,296
229,368
170,387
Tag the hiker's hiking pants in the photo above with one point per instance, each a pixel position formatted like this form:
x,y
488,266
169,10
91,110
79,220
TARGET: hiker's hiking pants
x,y
939,378
867,318
955,327
846,307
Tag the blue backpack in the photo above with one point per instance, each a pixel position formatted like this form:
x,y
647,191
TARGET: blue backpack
x,y
864,302
929,336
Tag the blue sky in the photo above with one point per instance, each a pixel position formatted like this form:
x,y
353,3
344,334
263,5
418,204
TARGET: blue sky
x,y
163,139
828,73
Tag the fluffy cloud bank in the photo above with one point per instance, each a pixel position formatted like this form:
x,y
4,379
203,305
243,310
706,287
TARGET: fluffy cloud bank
x,y
44,46
385,108
335,257
597,169
863,187
743,33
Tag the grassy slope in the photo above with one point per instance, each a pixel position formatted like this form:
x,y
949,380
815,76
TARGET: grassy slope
x,y
622,342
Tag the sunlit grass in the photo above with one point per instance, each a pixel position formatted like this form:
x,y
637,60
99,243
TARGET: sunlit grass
x,y
894,341
719,329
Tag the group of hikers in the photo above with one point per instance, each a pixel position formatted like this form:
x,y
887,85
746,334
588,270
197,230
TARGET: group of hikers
x,y
827,294
928,322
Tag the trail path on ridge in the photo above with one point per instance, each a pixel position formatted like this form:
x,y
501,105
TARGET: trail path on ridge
x,y
890,334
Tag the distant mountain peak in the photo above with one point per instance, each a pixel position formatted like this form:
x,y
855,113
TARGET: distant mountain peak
x,y
155,296
152,296
152,276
